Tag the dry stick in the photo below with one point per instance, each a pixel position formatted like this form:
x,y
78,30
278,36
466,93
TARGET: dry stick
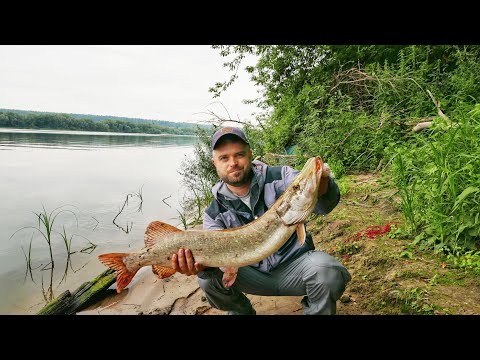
x,y
125,203
166,199
420,126
220,120
96,223
437,105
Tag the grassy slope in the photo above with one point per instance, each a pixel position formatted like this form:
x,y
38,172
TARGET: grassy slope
x,y
389,276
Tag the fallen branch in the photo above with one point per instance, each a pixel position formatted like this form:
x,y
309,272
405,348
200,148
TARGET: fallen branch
x,y
420,126
440,112
425,124
85,295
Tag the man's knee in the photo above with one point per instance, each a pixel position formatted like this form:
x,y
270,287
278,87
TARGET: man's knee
x,y
204,283
327,272
209,284
213,285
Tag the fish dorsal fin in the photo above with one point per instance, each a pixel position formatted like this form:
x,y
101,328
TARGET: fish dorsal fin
x,y
301,234
156,230
163,272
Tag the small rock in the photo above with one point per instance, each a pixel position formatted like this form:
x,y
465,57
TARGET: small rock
x,y
345,298
203,298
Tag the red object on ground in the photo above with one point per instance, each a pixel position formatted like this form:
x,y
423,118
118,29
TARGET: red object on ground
x,y
371,232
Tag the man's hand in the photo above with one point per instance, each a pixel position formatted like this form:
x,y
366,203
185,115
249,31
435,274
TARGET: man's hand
x,y
184,263
323,187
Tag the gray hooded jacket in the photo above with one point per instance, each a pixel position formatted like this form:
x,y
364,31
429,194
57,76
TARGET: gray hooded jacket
x,y
269,182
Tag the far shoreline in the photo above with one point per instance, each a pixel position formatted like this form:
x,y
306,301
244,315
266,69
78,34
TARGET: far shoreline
x,y
86,132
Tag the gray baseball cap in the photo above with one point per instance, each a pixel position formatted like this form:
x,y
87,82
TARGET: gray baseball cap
x,y
225,131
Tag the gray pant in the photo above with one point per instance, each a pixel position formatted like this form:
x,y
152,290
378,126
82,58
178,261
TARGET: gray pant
x,y
315,274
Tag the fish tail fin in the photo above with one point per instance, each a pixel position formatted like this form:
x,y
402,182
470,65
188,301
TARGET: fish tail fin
x,y
115,262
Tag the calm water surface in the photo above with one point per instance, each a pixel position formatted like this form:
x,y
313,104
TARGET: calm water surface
x,y
82,179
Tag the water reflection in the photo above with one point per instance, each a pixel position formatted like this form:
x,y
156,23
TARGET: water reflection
x,y
77,140
40,172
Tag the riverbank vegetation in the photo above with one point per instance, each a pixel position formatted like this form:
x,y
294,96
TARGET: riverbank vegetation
x,y
56,121
410,113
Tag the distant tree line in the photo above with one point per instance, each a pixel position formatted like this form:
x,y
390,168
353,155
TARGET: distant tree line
x,y
56,121
97,118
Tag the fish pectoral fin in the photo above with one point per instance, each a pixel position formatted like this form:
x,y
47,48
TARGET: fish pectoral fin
x,y
301,234
163,272
157,230
229,276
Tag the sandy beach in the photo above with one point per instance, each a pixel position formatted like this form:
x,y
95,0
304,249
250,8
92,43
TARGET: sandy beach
x,y
181,295
178,295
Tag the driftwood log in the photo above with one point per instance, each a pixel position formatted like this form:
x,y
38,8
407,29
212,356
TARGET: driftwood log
x,y
87,294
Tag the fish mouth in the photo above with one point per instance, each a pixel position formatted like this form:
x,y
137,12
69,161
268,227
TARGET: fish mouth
x,y
314,165
318,167
318,163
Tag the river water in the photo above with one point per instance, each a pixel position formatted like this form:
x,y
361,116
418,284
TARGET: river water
x,y
98,191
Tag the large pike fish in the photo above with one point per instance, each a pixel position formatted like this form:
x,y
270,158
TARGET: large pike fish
x,y
228,248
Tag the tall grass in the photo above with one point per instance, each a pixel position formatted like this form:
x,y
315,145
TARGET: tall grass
x,y
407,193
193,205
28,260
438,176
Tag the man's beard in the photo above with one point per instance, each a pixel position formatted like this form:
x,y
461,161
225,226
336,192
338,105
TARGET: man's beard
x,y
247,176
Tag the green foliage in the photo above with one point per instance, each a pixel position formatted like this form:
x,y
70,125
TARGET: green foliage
x,y
437,175
336,167
34,120
415,301
256,139
343,185
198,176
464,259
349,102
355,105
397,232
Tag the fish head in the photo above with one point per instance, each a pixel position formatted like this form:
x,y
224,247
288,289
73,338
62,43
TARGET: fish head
x,y
299,199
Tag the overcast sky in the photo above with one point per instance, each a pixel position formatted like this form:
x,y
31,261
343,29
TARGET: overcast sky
x,y
162,82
